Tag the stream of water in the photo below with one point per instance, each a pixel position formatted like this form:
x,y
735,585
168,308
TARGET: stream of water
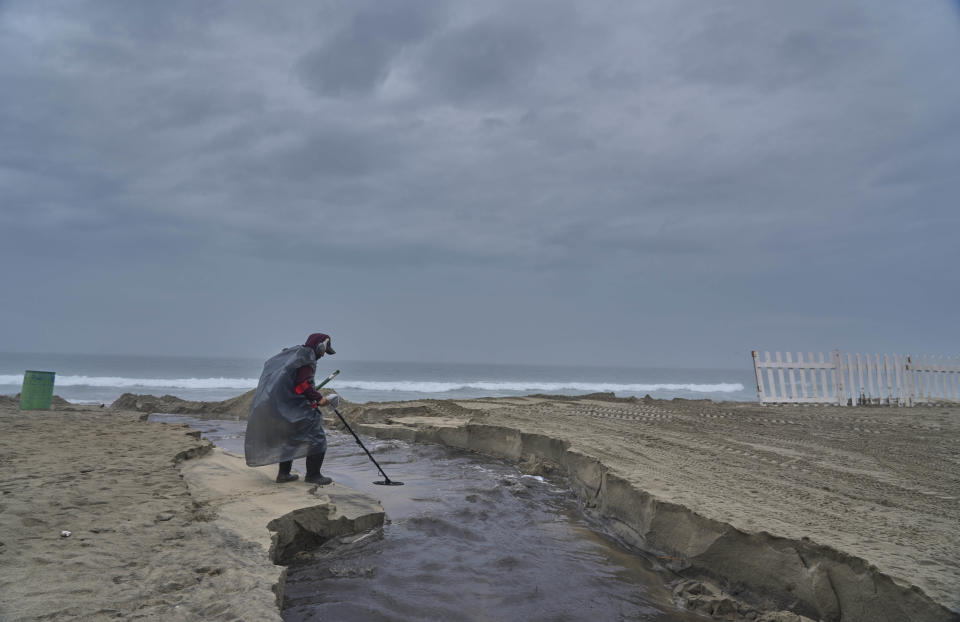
x,y
466,538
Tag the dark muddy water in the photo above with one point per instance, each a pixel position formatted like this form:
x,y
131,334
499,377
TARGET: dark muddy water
x,y
467,538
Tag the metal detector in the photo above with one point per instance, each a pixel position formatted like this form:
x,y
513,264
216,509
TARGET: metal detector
x,y
386,481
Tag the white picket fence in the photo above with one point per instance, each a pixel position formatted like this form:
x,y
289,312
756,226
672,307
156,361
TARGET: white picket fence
x,y
856,379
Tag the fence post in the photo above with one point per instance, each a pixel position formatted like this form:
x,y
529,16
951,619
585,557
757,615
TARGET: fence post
x,y
824,382
770,390
837,361
861,392
852,390
908,378
757,373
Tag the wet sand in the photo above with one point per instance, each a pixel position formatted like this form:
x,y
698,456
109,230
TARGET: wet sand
x,y
162,526
833,513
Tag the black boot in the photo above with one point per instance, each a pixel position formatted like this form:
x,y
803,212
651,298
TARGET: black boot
x,y
313,476
284,474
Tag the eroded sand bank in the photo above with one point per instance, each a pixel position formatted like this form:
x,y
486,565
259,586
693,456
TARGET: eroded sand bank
x,y
836,514
148,542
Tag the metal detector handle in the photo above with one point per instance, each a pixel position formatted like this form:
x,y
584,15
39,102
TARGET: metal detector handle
x,y
328,378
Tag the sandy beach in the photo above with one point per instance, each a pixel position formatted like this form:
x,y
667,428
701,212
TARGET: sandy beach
x,y
162,527
762,513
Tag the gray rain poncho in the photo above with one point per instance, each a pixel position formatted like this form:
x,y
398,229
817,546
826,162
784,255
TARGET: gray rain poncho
x,y
282,425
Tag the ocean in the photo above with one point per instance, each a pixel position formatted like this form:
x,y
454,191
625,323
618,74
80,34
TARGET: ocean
x,y
98,378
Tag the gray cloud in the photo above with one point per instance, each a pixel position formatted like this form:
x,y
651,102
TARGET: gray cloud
x,y
770,47
356,57
680,178
487,60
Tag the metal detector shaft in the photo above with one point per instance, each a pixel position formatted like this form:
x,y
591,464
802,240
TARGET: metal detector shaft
x,y
386,478
328,378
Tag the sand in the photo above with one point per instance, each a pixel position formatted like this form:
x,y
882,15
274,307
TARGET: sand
x,y
833,513
233,408
284,520
764,513
162,526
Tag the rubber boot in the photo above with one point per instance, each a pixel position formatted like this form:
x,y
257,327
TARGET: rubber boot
x,y
284,475
314,476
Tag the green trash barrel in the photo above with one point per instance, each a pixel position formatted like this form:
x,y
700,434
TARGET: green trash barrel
x,y
37,390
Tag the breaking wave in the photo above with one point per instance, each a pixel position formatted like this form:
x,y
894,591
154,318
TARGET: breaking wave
x,y
495,386
152,383
405,386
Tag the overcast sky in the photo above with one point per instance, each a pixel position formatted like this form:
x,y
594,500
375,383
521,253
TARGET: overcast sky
x,y
662,182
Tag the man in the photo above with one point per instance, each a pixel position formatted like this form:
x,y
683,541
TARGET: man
x,y
285,421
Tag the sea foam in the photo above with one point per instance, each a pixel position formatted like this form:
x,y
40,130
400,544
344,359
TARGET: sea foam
x,y
404,386
413,386
152,383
